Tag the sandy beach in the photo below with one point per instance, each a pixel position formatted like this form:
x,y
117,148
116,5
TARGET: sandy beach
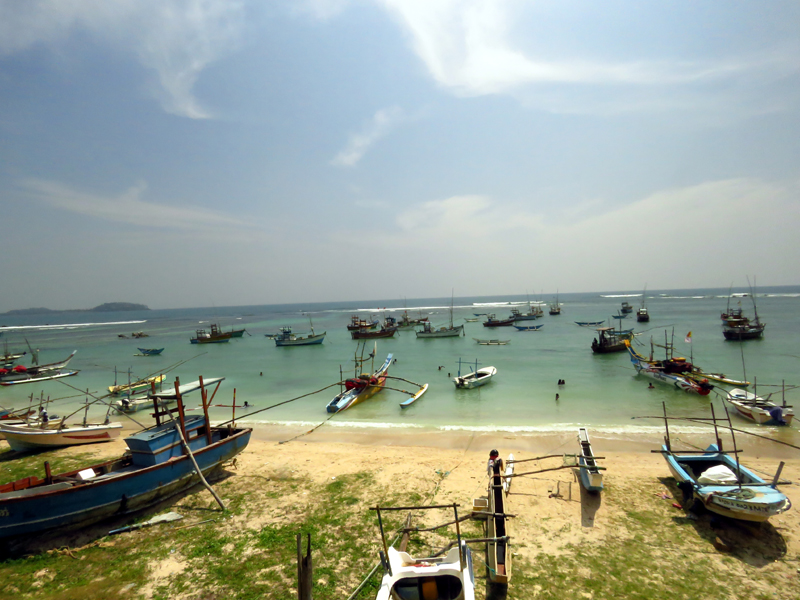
x,y
555,519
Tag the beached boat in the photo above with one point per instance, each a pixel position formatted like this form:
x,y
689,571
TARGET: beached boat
x,y
357,323
493,321
156,467
149,351
287,338
528,327
757,409
215,336
655,371
476,378
141,384
429,331
609,340
26,438
406,577
360,388
590,475
497,550
36,373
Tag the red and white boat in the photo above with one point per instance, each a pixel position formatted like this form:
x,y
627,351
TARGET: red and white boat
x,y
25,438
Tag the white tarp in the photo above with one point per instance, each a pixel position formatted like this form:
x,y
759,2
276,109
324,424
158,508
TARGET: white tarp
x,y
719,475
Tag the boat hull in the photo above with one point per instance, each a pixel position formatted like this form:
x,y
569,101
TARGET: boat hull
x,y
27,439
752,501
63,505
311,340
444,332
476,379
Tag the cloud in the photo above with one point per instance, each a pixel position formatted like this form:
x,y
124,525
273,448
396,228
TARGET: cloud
x,y
468,48
177,39
127,207
381,124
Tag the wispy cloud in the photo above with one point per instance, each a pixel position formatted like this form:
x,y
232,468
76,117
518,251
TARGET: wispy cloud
x,y
380,125
127,207
469,48
177,39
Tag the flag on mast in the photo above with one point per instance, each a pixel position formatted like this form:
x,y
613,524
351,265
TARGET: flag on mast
x,y
688,338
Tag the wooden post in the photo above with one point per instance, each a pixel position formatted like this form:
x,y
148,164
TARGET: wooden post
x,y
181,413
233,410
304,569
204,399
48,475
774,481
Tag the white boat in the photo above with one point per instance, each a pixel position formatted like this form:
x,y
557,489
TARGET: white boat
x,y
34,374
23,438
475,379
162,398
590,475
755,408
287,338
428,331
409,401
406,577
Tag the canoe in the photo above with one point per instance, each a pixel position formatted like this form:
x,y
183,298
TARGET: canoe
x,y
358,389
590,476
26,438
499,558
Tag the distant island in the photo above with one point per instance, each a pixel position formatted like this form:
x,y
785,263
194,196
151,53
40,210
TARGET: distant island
x,y
107,307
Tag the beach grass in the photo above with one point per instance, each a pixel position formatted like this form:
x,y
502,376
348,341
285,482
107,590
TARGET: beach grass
x,y
649,550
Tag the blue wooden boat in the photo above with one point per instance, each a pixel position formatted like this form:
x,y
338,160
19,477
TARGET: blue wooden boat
x,y
528,327
150,351
156,468
589,323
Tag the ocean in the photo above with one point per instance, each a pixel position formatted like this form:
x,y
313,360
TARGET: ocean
x,y
602,392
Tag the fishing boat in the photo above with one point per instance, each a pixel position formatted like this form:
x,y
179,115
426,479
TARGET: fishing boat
x,y
37,373
360,388
609,340
409,401
737,327
590,475
448,577
149,351
655,371
533,312
642,316
758,409
589,323
428,331
237,333
157,466
367,334
473,320
357,323
476,378
135,386
493,321
287,338
492,342
626,308
716,480
26,438
528,327
406,322
215,336
555,307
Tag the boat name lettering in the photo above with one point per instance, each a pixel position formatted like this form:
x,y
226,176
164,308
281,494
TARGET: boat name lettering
x,y
742,506
4,512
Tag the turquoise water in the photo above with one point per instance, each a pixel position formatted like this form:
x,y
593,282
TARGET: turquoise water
x,y
601,391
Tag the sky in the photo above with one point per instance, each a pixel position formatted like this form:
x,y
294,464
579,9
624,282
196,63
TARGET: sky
x,y
183,153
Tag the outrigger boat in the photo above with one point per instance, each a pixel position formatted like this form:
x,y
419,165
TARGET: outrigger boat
x,y
406,577
589,323
590,475
759,410
492,342
141,384
476,378
497,550
361,387
19,374
718,482
149,351
657,372
162,461
528,327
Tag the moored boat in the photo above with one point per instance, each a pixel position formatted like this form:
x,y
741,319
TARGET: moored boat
x,y
360,388
367,334
493,321
492,342
135,386
214,336
428,331
357,323
37,373
626,308
662,375
476,378
528,327
287,338
555,307
149,351
757,409
609,340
